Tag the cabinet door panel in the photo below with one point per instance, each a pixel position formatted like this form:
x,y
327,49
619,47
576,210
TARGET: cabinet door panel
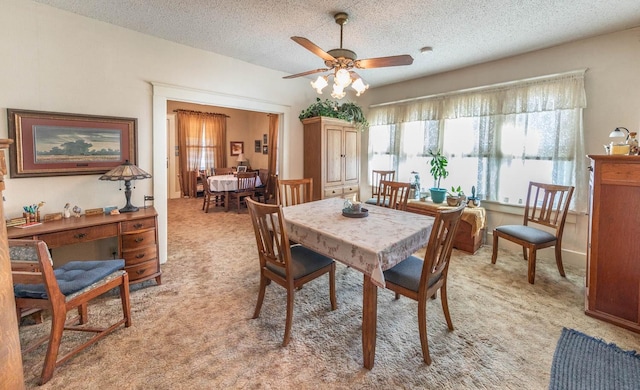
x,y
334,155
618,267
352,155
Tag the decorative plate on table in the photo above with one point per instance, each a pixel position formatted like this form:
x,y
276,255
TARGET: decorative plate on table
x,y
355,214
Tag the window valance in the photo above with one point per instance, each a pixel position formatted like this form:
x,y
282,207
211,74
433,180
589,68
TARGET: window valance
x,y
546,93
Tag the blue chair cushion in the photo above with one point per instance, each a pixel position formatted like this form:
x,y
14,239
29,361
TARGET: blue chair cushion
x,y
304,261
407,274
527,233
72,277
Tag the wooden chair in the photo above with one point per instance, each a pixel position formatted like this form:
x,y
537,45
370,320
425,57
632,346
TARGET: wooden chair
x,y
294,191
547,206
223,171
394,194
38,286
246,188
376,178
289,266
420,279
261,190
211,197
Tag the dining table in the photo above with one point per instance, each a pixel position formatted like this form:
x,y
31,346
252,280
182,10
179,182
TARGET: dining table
x,y
370,243
226,183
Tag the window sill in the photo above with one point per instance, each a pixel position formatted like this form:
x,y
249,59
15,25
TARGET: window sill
x,y
497,207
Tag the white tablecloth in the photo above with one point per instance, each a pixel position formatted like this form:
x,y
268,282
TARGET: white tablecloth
x,y
221,183
371,244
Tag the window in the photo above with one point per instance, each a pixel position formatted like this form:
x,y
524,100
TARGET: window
x,y
496,139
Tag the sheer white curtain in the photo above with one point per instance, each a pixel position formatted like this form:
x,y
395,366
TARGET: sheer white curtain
x,y
496,138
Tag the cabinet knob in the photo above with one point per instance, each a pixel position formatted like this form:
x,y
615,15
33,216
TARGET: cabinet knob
x,y
138,225
140,256
80,235
139,239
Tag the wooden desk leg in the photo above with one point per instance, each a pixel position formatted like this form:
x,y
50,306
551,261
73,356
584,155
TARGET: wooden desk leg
x,y
369,321
226,201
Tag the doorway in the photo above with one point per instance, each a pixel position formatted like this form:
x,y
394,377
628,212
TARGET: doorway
x,y
164,92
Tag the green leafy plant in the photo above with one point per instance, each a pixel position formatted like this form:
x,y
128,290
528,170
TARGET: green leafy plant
x,y
455,191
348,111
438,165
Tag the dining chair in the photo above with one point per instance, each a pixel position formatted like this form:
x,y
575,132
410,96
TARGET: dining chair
x,y
291,192
223,171
246,188
394,194
376,177
547,207
262,190
290,266
211,197
37,285
420,279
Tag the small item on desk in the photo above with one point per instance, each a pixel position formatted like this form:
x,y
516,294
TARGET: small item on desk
x,y
52,217
114,212
67,210
28,225
77,211
92,212
16,221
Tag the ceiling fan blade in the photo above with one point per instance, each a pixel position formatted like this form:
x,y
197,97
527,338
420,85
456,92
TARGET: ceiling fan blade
x,y
307,44
381,62
306,73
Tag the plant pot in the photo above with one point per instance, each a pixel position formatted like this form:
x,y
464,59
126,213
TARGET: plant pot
x,y
438,194
453,201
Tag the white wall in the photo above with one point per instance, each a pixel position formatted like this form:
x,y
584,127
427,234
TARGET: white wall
x,y
612,84
58,61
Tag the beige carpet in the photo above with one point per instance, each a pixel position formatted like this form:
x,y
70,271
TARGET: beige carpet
x,y
195,330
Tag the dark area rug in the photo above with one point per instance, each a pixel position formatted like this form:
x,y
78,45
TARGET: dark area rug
x,y
582,362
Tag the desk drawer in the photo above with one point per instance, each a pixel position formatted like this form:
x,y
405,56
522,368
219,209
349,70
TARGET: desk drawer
x,y
76,236
136,256
138,224
138,239
142,270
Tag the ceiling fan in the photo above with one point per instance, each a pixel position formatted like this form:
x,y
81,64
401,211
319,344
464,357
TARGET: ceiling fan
x,y
341,61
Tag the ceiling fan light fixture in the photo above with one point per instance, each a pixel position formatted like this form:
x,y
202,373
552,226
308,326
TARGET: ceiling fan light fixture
x,y
338,92
342,78
319,84
359,86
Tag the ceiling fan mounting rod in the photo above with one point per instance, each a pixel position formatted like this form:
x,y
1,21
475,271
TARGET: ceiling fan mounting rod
x,y
341,18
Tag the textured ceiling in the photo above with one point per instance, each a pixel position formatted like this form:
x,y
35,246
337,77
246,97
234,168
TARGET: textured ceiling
x,y
462,33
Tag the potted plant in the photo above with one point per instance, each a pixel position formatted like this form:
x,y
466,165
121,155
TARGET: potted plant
x,y
456,196
347,111
438,170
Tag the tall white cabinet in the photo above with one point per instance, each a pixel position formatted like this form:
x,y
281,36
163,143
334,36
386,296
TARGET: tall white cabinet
x,y
332,157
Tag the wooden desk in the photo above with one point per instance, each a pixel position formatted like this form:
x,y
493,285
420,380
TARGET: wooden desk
x,y
136,231
470,235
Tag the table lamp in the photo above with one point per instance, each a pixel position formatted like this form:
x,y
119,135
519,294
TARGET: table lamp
x,y
241,159
126,172
620,147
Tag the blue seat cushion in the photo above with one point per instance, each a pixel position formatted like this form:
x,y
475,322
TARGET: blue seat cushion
x,y
407,274
527,233
72,277
304,261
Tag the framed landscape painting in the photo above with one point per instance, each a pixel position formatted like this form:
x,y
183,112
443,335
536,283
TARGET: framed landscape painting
x,y
59,144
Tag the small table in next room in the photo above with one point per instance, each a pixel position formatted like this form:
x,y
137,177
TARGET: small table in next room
x,y
470,235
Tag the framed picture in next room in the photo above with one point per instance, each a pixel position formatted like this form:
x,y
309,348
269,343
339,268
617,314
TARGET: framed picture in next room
x,y
265,149
237,147
257,146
